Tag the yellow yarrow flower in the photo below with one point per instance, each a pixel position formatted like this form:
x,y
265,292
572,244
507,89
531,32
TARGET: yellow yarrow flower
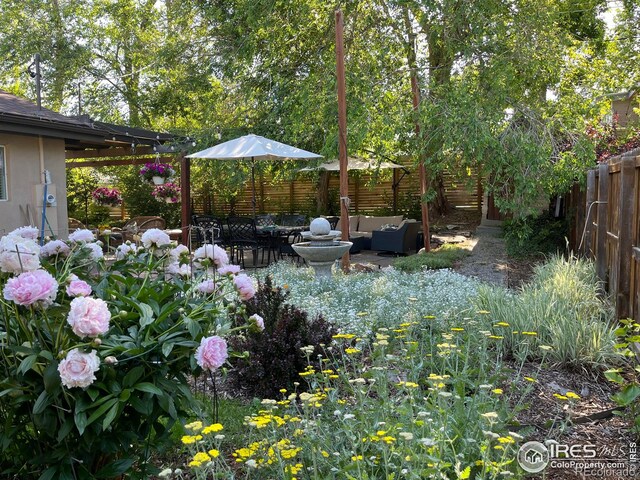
x,y
497,391
507,439
214,427
347,336
201,457
213,453
195,426
352,351
189,439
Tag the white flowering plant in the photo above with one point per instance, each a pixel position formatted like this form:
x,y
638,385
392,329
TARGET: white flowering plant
x,y
96,356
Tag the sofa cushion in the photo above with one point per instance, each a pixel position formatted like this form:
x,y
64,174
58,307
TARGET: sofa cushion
x,y
369,224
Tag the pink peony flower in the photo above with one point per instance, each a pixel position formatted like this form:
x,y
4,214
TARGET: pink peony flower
x,y
179,251
78,369
206,286
183,270
214,253
154,237
31,287
229,270
82,235
18,254
211,353
96,250
54,247
244,285
78,288
88,317
257,320
125,249
29,232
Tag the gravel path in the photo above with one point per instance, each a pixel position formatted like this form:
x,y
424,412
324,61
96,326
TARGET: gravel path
x,y
488,259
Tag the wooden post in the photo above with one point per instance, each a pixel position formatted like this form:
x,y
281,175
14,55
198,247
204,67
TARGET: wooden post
x,y
590,214
625,235
342,137
603,224
185,196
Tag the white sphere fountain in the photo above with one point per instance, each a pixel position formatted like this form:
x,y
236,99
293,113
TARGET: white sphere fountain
x,y
322,249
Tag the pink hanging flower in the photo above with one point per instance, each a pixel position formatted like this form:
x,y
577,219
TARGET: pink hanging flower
x,y
31,287
88,317
212,353
244,286
78,369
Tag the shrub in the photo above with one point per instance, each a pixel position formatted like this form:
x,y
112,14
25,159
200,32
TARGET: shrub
x,y
275,356
535,235
95,357
443,257
560,308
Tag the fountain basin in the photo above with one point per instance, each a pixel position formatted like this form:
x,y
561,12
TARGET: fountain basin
x,y
320,253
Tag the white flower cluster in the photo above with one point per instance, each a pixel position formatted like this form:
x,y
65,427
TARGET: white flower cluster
x,y
360,303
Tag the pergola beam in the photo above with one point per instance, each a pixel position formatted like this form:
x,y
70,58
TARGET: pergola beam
x,y
109,152
112,163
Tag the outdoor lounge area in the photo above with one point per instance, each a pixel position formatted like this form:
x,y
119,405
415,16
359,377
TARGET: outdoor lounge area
x,y
277,240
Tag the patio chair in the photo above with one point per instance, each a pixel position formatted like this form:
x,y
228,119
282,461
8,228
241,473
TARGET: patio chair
x,y
265,220
400,241
75,224
243,236
292,220
138,225
285,248
209,229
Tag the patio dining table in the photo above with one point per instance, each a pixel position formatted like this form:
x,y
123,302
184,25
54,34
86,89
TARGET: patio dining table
x,y
275,236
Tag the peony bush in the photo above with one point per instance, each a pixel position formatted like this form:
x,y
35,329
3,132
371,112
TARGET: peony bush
x,y
96,357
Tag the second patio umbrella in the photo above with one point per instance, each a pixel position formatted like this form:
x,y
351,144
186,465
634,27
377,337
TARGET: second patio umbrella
x,y
253,147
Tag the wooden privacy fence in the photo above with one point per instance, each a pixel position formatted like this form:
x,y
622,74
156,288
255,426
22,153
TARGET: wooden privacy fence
x,y
608,229
299,195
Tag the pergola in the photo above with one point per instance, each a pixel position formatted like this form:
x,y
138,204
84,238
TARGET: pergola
x,y
121,145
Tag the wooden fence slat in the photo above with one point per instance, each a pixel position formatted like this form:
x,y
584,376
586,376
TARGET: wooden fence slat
x,y
625,215
590,215
601,232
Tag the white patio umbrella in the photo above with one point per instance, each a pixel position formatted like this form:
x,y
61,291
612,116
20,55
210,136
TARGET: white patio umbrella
x,y
253,147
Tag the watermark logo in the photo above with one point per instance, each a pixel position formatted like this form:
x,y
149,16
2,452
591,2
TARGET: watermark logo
x,y
533,457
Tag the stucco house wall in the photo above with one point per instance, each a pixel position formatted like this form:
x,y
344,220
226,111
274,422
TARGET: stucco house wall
x,y
24,183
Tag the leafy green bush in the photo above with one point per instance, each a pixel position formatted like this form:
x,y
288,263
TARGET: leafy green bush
x,y
629,346
560,312
535,235
95,374
275,356
443,257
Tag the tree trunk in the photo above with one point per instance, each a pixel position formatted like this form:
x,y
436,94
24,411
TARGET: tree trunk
x,y
322,194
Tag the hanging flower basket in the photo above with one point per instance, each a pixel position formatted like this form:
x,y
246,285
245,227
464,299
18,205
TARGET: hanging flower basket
x,y
107,197
157,173
169,193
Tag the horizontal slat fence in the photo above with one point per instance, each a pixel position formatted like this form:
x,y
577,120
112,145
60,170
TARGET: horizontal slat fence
x,y
367,196
607,229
